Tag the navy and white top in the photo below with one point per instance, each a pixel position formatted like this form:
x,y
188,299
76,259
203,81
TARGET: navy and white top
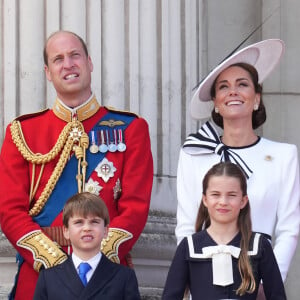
x,y
273,189
192,270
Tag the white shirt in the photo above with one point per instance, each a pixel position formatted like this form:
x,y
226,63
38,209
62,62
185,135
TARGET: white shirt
x,y
93,262
273,191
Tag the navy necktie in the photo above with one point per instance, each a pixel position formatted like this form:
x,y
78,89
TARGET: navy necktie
x,y
83,269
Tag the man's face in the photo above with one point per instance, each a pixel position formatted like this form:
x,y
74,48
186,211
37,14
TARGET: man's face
x,y
69,69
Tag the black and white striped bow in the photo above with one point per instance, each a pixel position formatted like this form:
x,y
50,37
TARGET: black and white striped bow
x,y
207,140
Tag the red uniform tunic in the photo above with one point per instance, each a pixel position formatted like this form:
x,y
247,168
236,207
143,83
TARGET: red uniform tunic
x,y
131,181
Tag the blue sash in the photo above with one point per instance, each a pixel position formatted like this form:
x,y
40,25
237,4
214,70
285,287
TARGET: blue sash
x,y
67,183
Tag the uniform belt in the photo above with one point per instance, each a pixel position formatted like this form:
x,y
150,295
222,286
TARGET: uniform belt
x,y
56,234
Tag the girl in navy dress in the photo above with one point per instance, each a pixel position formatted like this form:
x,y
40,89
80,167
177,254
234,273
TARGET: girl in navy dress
x,y
224,259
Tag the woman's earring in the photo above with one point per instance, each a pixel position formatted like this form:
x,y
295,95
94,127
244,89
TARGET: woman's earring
x,y
255,106
216,110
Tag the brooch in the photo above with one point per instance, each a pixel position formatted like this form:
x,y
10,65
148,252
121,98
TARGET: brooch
x,y
105,169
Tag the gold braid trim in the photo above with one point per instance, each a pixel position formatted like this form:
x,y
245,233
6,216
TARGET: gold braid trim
x,y
37,158
110,245
70,136
39,204
82,163
45,252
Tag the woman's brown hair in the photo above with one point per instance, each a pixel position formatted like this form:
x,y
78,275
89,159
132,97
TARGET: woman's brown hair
x,y
244,222
258,116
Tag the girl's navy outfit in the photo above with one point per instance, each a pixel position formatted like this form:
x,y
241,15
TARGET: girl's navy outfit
x,y
190,269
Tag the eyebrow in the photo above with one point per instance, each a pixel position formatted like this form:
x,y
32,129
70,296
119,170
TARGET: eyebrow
x,y
239,79
57,55
218,191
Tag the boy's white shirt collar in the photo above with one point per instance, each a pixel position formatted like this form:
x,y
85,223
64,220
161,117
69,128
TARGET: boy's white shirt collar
x,y
93,262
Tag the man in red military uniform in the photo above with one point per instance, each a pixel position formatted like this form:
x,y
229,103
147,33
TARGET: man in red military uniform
x,y
76,146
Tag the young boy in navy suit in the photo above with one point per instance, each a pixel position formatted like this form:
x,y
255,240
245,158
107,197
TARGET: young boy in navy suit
x,y
87,273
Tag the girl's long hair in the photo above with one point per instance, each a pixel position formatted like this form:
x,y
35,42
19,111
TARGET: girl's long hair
x,y
244,222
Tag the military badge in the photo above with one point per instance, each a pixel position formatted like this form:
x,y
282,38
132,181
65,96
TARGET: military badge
x,y
103,146
112,147
94,147
121,145
117,190
105,169
93,187
111,123
75,134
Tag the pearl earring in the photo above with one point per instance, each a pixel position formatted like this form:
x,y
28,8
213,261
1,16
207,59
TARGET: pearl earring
x,y
216,110
255,106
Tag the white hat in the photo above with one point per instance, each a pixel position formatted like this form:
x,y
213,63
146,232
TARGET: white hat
x,y
264,56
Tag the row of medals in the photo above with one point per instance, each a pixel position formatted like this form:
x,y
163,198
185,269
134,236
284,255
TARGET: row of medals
x,y
113,144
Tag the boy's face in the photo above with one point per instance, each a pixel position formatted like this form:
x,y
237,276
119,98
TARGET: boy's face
x,y
85,235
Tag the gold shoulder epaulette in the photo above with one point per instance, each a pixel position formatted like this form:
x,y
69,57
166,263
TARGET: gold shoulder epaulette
x,y
45,252
110,245
127,112
30,115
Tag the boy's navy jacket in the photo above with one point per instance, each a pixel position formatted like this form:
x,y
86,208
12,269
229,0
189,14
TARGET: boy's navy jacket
x,y
109,281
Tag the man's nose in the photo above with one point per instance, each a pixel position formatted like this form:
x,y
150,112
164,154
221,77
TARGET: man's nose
x,y
68,62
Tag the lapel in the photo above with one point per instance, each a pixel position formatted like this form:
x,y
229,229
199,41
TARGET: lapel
x,y
68,275
102,276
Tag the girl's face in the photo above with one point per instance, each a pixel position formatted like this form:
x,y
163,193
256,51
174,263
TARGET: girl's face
x,y
224,199
235,94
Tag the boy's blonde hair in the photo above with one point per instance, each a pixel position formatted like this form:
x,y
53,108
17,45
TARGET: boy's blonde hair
x,y
85,204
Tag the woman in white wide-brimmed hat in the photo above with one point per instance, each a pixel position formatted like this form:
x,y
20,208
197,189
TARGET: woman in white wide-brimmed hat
x,y
271,167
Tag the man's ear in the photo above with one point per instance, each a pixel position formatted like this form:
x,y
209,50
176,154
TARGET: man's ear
x,y
90,64
47,72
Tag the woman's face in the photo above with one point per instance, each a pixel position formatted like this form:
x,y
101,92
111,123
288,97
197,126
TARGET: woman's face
x,y
235,94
